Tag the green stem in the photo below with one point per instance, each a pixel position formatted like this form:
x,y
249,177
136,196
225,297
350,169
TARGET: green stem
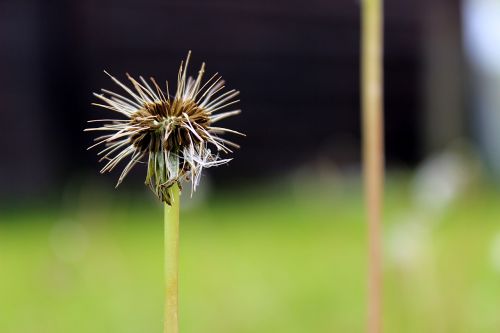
x,y
171,219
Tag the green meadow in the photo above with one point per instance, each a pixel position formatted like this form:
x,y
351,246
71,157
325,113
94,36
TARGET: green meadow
x,y
283,258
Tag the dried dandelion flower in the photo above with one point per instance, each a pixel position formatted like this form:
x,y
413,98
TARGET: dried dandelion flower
x,y
174,133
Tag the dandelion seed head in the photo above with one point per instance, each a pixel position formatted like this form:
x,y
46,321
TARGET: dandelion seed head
x,y
173,134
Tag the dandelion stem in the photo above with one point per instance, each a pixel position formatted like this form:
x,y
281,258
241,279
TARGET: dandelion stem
x,y
171,219
373,149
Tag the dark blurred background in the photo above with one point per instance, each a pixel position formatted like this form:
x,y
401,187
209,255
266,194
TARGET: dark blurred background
x,y
296,64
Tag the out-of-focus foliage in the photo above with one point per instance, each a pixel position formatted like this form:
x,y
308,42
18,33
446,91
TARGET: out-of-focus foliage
x,y
266,260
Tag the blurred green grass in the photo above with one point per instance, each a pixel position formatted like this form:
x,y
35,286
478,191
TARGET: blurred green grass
x,y
262,259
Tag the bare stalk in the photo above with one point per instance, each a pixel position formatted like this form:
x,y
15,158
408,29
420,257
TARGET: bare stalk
x,y
373,150
171,219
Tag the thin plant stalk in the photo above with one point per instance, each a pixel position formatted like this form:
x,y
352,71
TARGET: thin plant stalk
x,y
373,150
171,219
